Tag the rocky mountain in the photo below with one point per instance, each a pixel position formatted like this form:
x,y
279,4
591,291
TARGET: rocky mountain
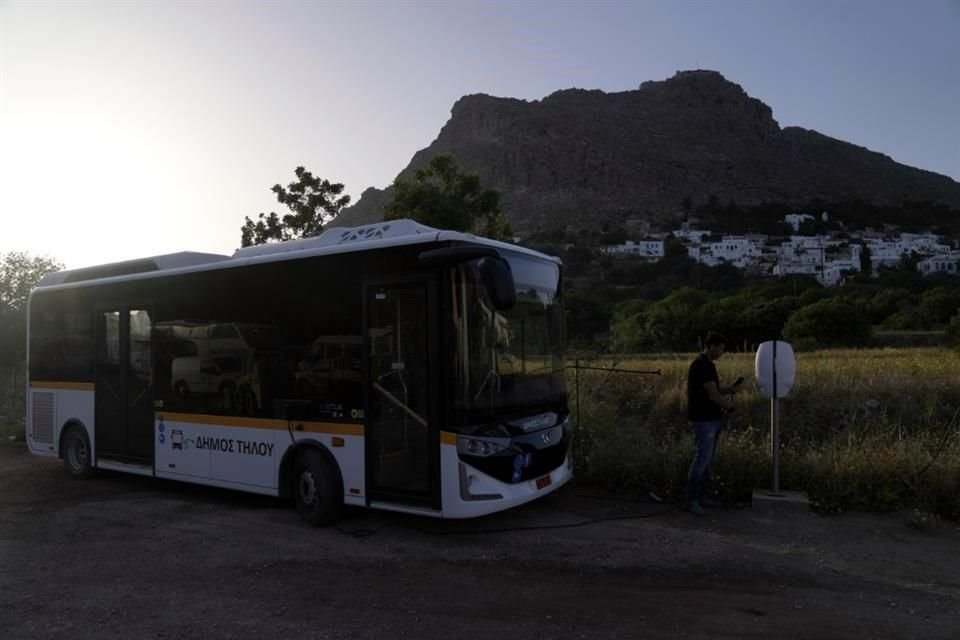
x,y
640,154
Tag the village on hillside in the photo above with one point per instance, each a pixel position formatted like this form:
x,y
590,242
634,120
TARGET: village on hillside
x,y
827,257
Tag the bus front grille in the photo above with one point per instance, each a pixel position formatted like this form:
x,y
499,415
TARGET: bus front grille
x,y
42,424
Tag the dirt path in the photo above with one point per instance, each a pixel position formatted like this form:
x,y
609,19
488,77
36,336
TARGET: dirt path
x,y
122,556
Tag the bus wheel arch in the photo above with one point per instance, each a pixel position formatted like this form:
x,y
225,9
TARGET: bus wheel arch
x,y
75,450
310,475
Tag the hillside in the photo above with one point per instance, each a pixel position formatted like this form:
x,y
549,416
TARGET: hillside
x,y
642,153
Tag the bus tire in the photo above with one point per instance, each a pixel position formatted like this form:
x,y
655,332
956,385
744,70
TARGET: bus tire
x,y
77,456
318,489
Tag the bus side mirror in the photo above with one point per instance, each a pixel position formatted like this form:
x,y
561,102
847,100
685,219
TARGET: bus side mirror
x,y
494,270
498,280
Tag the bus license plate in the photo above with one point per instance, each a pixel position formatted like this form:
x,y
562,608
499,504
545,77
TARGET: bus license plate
x,y
543,482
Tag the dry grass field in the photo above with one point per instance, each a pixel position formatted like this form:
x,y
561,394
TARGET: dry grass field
x,y
871,430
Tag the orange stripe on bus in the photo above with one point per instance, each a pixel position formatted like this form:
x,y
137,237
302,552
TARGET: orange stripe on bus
x,y
264,423
448,438
67,386
333,428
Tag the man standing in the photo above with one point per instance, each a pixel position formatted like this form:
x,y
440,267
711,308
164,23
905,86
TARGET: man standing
x,y
707,401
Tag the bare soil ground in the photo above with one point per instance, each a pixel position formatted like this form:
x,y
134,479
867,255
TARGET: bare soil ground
x,y
122,556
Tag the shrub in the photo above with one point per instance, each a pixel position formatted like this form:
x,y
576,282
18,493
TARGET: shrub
x,y
829,322
938,305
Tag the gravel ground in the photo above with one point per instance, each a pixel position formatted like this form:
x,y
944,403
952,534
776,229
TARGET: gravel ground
x,y
122,556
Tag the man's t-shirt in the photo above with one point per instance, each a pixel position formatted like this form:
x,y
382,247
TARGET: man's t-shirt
x,y
700,408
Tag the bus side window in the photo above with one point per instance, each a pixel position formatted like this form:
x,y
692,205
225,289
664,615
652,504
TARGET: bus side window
x,y
108,349
76,345
44,359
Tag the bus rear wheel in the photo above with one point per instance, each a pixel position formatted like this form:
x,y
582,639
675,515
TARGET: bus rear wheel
x,y
318,490
77,457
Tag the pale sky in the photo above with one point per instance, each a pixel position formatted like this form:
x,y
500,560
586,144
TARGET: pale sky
x,y
130,129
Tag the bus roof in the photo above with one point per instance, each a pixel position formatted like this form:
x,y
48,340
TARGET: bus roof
x,y
332,241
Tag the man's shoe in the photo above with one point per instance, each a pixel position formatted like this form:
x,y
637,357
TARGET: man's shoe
x,y
710,504
695,509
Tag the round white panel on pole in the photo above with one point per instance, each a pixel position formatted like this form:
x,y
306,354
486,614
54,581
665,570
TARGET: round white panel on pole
x,y
776,368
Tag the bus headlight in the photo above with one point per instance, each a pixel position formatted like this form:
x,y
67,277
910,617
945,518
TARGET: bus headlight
x,y
481,447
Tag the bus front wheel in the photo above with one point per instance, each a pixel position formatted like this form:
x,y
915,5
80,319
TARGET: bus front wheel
x,y
318,492
77,456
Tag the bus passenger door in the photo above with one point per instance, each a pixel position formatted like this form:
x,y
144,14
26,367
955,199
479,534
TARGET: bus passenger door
x,y
402,438
123,396
110,387
140,387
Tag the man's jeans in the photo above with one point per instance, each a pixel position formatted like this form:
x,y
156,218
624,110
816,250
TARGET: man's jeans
x,y
706,434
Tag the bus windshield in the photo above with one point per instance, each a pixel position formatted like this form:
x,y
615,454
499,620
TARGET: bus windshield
x,y
508,363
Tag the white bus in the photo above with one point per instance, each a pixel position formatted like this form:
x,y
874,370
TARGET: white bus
x,y
392,366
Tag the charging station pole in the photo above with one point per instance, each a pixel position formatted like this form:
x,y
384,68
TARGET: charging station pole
x,y
775,426
776,370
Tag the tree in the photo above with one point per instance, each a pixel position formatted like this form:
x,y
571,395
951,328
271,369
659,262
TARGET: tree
x,y
628,325
721,315
614,236
764,320
831,322
907,319
673,323
887,302
312,201
938,306
19,273
807,228
442,196
953,331
909,261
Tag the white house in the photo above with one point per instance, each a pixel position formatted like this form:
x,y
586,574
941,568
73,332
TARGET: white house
x,y
796,219
924,242
835,267
739,251
820,256
795,268
888,252
941,263
652,249
690,235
